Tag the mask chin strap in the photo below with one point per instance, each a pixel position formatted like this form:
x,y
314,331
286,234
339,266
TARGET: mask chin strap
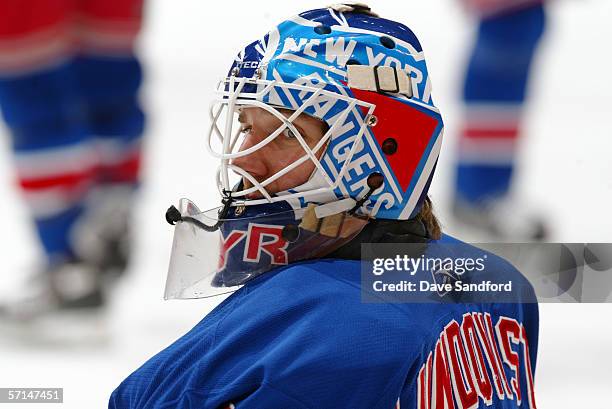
x,y
349,205
173,215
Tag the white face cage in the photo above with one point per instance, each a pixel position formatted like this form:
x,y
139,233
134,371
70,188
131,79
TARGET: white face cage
x,y
231,97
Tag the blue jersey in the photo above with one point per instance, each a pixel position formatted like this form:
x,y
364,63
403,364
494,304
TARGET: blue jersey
x,y
301,337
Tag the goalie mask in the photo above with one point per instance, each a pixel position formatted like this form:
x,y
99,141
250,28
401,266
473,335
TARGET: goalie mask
x,y
364,79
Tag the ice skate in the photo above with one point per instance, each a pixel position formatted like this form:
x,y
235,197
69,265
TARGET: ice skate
x,y
61,304
500,220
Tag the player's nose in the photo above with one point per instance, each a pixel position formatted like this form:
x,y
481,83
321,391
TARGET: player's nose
x,y
255,162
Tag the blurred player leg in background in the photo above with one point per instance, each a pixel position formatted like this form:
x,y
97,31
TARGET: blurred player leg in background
x,y
68,93
108,78
494,97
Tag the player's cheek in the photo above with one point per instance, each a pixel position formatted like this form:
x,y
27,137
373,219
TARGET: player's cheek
x,y
302,173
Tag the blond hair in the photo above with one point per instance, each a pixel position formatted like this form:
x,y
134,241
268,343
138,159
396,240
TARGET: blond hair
x,y
429,219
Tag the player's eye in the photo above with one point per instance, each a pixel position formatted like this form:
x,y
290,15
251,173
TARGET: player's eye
x,y
288,133
245,130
